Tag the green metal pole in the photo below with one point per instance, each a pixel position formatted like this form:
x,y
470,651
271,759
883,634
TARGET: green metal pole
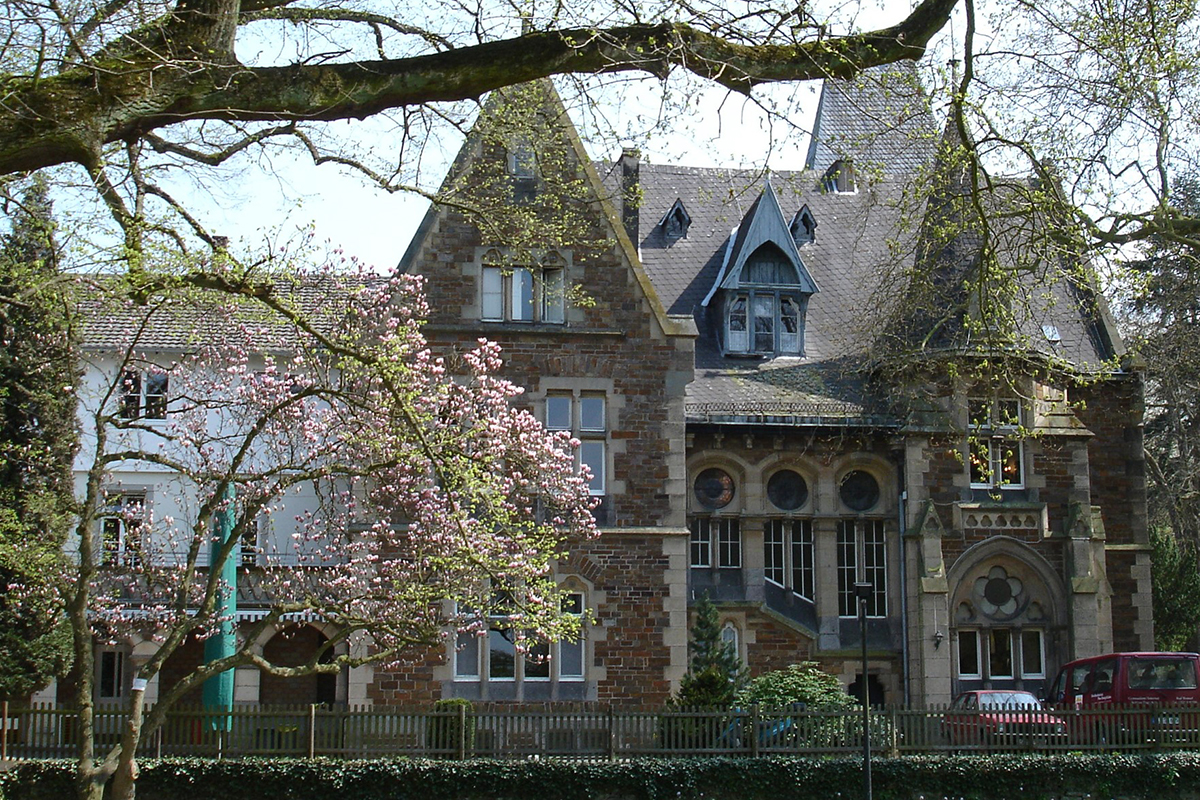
x,y
218,690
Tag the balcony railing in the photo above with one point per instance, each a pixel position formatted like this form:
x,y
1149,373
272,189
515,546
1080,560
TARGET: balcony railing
x,y
593,732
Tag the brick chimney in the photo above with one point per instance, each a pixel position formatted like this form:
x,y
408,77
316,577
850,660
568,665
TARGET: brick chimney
x,y
631,192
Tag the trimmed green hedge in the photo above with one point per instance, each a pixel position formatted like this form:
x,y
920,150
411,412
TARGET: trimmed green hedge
x,y
1003,777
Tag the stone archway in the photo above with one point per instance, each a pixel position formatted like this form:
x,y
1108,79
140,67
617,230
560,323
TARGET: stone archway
x,y
290,647
1006,609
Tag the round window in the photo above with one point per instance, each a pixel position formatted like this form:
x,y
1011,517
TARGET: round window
x,y
859,490
787,490
714,488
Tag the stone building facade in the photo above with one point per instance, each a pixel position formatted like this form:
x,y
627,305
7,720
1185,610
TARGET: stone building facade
x,y
727,320
717,341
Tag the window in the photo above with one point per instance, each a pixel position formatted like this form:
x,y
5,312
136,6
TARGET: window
x,y
676,221
523,167
586,417
250,536
861,556
143,395
804,226
859,490
774,318
535,660
994,449
788,555
729,638
110,677
1001,654
121,522
839,179
787,490
968,655
716,541
714,488
522,294
767,318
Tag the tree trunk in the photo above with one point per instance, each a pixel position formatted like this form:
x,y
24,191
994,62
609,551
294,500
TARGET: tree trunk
x,y
125,778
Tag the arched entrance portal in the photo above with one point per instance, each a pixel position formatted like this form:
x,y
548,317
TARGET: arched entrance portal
x,y
1005,613
291,647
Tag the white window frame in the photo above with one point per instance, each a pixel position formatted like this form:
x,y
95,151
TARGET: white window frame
x,y
973,635
994,423
585,416
700,542
862,556
718,536
795,569
745,341
472,656
137,401
118,686
522,294
122,521
1001,635
841,178
1017,646
1021,634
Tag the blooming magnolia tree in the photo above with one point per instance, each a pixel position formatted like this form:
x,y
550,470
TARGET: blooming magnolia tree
x,y
429,500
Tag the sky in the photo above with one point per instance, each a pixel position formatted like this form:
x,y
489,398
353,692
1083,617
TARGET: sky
x,y
342,211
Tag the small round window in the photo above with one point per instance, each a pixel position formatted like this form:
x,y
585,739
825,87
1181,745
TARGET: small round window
x,y
787,490
714,488
859,490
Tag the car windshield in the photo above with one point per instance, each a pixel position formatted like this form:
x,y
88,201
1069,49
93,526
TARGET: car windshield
x,y
1008,700
1162,673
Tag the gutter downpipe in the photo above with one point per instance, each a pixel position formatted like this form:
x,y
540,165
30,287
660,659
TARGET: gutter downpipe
x,y
901,510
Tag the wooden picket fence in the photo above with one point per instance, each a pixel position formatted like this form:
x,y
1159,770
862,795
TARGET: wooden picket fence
x,y
595,732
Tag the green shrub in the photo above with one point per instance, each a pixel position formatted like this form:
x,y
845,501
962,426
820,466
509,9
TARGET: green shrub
x,y
999,777
804,683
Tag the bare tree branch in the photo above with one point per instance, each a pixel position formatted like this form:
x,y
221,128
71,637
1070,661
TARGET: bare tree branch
x,y
175,73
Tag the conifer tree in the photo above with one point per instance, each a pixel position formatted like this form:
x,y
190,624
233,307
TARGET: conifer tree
x,y
715,673
37,444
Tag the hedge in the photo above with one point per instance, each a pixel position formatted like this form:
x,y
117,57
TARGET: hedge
x,y
1000,777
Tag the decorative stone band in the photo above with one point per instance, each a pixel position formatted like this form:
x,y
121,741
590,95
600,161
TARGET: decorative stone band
x,y
978,516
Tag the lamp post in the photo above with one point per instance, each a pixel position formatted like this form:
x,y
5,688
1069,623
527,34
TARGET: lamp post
x,y
862,591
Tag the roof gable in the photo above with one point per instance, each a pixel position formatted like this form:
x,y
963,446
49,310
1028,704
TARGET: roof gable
x,y
763,225
584,183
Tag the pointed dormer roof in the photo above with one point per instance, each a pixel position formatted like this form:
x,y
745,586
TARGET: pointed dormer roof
x,y
878,120
764,224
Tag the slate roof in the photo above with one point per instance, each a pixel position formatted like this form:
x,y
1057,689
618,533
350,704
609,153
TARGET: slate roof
x,y
851,252
879,120
865,245
185,321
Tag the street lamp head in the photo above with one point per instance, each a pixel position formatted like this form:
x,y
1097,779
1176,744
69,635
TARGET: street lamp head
x,y
862,590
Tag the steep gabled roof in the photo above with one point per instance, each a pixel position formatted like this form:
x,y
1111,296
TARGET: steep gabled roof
x,y
763,224
544,92
879,121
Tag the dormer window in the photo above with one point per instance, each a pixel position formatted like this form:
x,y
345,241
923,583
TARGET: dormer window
x,y
804,227
675,222
840,178
763,287
766,317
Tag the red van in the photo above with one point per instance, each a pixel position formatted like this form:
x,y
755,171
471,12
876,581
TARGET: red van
x,y
1147,684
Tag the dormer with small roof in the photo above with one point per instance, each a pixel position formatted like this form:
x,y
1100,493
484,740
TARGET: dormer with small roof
x,y
676,221
761,293
804,226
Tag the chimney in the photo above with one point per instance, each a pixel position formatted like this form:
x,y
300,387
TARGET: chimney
x,y
631,191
